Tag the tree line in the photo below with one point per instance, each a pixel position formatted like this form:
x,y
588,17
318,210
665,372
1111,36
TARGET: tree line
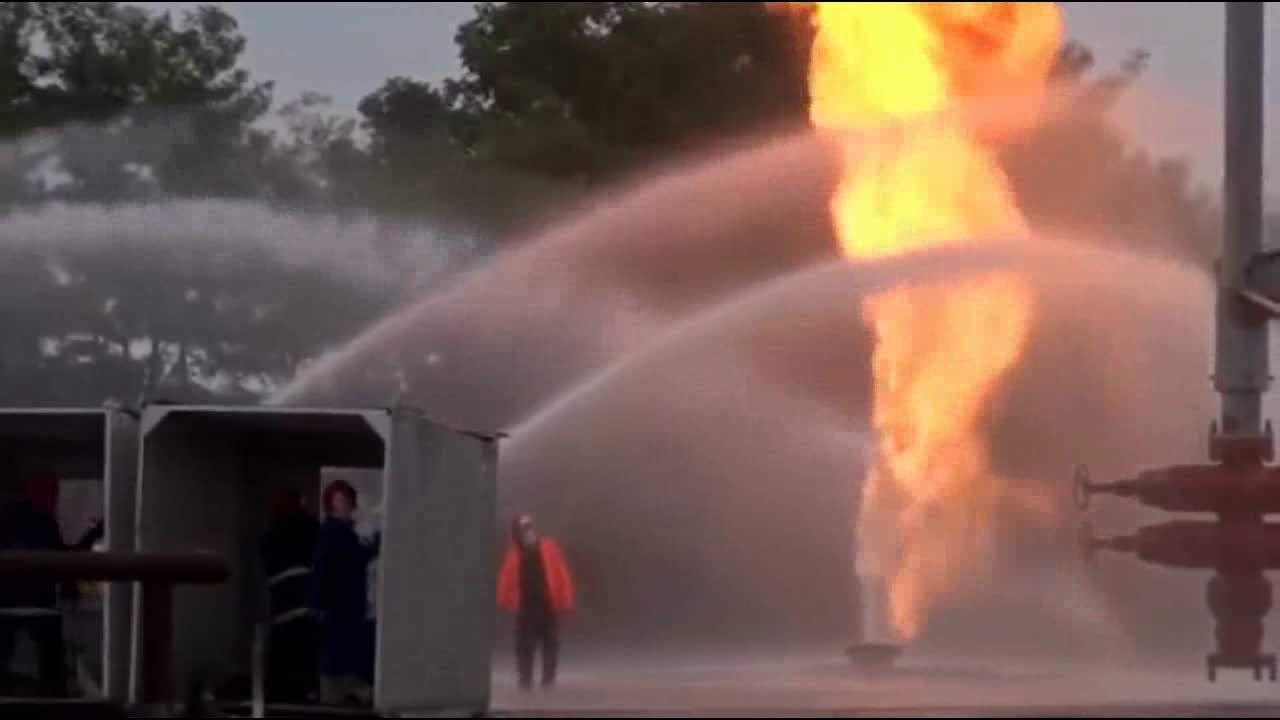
x,y
108,103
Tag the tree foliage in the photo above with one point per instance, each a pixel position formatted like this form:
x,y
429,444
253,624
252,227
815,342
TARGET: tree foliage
x,y
104,103
555,98
582,91
142,103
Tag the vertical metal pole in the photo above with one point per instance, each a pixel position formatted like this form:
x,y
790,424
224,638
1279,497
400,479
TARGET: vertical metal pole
x,y
1241,373
259,670
1239,600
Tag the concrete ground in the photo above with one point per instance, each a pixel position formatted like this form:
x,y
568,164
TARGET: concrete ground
x,y
829,687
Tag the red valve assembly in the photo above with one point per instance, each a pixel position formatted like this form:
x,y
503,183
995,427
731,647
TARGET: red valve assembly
x,y
1237,486
1239,546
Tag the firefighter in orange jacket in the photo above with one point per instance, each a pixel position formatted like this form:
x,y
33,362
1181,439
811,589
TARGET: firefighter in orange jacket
x,y
535,584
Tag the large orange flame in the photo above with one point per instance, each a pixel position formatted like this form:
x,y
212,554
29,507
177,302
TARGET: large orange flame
x,y
942,351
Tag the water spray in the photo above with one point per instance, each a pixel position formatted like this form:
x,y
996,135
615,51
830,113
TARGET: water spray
x,y
1238,486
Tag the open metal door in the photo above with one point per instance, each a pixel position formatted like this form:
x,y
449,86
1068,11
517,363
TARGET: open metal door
x,y
436,582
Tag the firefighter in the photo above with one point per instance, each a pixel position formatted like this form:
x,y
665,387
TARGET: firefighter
x,y
339,598
535,584
287,551
31,606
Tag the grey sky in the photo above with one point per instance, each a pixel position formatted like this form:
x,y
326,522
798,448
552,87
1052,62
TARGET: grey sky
x,y
347,49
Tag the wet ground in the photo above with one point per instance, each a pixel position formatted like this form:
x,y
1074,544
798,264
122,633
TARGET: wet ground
x,y
819,687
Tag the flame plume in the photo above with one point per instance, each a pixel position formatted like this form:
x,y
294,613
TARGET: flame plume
x,y
941,351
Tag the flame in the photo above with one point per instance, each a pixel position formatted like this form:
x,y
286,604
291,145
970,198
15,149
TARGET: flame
x,y
941,351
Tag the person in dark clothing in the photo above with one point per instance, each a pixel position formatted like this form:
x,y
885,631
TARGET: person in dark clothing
x,y
535,584
287,551
31,606
339,598
536,625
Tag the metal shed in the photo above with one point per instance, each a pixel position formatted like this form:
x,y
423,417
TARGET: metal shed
x,y
96,447
207,473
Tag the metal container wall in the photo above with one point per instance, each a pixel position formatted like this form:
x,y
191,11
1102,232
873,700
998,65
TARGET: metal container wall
x,y
207,476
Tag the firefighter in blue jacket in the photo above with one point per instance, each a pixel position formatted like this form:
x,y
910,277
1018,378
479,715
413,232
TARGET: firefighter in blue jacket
x,y
340,600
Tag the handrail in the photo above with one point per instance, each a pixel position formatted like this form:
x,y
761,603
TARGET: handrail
x,y
174,568
157,573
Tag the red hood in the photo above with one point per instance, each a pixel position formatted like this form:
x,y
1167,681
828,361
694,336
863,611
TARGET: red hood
x,y
285,501
333,488
43,493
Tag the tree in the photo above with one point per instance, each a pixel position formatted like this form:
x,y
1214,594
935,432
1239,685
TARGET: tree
x,y
317,159
143,103
584,91
405,113
587,90
127,105
415,165
560,97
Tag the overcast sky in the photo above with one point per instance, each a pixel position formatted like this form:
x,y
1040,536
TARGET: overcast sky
x,y
347,49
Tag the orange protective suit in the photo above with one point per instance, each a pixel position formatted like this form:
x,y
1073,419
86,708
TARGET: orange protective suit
x,y
559,582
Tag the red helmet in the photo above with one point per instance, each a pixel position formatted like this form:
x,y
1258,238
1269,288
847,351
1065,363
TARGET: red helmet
x,y
332,489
